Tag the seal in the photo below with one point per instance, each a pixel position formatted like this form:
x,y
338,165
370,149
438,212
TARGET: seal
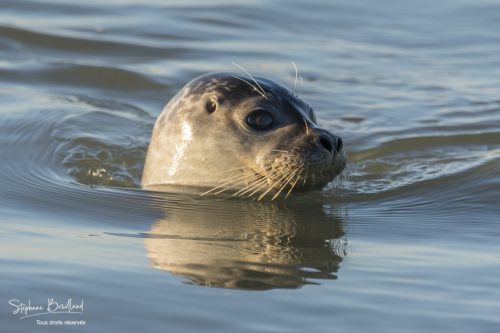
x,y
244,136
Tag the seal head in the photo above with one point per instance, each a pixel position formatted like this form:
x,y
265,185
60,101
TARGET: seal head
x,y
227,133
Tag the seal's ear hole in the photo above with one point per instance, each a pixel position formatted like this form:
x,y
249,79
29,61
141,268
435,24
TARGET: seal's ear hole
x,y
211,105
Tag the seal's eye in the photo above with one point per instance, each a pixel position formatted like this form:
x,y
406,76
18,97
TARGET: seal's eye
x,y
260,120
211,105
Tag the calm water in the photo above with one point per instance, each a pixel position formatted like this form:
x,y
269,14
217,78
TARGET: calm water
x,y
408,242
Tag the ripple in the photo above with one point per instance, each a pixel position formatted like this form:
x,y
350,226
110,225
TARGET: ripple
x,y
64,154
377,171
83,46
95,77
412,88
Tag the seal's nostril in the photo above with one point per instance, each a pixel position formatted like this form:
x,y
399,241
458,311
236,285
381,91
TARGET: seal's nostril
x,y
339,145
326,143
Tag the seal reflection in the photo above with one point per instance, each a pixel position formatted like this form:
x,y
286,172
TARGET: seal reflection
x,y
247,245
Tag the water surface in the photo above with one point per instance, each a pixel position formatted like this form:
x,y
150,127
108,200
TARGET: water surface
x,y
407,242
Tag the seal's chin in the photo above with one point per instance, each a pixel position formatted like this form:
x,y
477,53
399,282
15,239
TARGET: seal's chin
x,y
289,172
280,175
318,175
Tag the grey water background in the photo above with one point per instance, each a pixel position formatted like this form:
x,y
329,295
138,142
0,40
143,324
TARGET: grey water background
x,y
408,242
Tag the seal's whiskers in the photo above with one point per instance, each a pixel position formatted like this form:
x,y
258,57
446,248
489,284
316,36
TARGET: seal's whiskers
x,y
251,85
253,79
307,127
305,178
286,182
260,179
225,182
257,186
272,186
243,180
232,180
294,183
296,75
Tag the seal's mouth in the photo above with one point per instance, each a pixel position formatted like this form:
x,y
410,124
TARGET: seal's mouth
x,y
301,171
281,173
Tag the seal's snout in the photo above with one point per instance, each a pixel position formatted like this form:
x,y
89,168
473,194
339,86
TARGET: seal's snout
x,y
326,140
339,144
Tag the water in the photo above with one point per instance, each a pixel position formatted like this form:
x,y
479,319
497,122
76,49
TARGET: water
x,y
407,243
